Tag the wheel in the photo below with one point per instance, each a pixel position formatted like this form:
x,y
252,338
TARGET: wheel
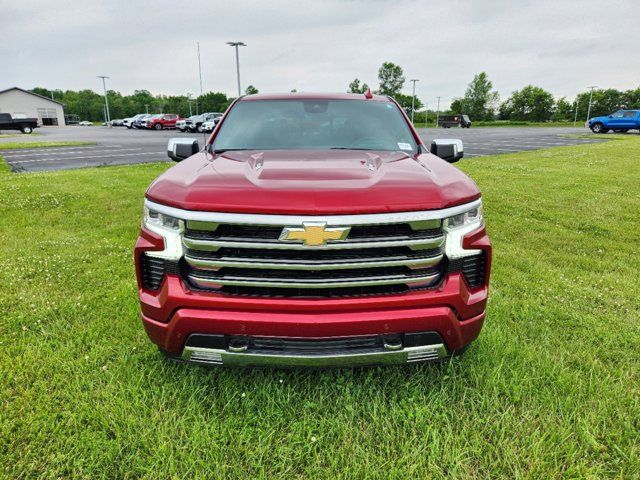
x,y
26,129
158,126
620,130
598,128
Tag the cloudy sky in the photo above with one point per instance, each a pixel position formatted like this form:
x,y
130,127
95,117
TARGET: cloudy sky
x,y
561,45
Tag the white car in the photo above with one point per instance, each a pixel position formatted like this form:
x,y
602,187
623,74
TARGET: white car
x,y
211,123
86,124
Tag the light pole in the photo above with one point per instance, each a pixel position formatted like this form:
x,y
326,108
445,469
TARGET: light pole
x,y
413,98
106,100
189,100
438,112
237,44
146,105
575,118
590,96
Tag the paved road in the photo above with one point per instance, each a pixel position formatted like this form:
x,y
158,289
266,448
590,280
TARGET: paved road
x,y
480,142
119,146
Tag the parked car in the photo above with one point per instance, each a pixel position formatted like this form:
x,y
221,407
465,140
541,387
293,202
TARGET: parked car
x,y
85,123
448,121
25,125
341,241
162,120
138,122
128,122
182,123
117,123
620,122
210,124
195,124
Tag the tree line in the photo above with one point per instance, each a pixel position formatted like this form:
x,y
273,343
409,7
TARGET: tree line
x,y
482,102
89,105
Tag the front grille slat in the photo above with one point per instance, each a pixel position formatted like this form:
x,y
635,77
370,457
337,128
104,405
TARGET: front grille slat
x,y
249,259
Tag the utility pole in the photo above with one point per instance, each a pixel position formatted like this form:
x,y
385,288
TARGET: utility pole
x,y
426,114
413,98
575,118
236,45
590,96
199,69
106,100
146,105
438,111
189,100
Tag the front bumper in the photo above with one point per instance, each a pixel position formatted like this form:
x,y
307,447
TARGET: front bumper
x,y
209,356
174,312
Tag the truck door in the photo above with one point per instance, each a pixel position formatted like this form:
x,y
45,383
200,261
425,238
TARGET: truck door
x,y
616,120
630,119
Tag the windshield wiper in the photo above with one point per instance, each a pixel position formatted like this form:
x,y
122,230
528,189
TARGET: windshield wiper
x,y
349,148
222,150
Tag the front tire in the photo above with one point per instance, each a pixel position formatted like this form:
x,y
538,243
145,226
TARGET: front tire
x,y
158,126
26,130
598,128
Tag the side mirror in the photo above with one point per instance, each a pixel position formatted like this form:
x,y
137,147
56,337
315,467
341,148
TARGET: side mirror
x,y
449,149
610,116
180,148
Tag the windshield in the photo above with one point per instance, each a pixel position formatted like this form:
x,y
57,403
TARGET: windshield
x,y
315,124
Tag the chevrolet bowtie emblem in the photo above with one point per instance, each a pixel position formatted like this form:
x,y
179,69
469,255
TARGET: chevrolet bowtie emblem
x,y
314,234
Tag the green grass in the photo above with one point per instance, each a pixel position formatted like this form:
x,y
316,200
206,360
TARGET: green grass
x,y
9,135
551,389
18,145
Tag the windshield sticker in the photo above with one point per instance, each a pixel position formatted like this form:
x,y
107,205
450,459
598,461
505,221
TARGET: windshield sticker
x,y
404,146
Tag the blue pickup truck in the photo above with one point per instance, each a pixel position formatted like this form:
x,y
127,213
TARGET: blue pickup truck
x,y
620,122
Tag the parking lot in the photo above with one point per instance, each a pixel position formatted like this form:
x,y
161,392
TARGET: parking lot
x,y
120,146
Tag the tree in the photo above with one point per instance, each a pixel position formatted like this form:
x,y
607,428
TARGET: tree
x,y
563,111
405,102
251,90
533,104
356,87
391,79
479,100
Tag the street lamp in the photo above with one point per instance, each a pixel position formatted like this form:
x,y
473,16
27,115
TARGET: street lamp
x,y
106,100
590,96
413,98
438,112
236,45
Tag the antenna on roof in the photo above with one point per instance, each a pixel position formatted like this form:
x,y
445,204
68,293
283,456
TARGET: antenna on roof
x,y
368,94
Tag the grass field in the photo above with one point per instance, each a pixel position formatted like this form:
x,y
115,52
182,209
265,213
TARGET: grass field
x,y
551,389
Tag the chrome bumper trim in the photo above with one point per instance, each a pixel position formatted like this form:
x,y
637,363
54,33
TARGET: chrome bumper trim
x,y
213,245
330,220
204,282
216,264
211,356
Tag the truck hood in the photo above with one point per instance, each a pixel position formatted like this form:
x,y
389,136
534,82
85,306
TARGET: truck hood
x,y
312,182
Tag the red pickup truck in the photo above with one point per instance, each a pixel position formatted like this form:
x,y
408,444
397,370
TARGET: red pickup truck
x,y
313,230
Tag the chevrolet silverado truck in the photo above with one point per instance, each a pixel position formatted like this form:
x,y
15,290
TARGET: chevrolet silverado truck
x,y
313,230
25,125
620,122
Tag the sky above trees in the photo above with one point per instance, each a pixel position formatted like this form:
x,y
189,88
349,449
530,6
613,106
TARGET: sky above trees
x,y
562,47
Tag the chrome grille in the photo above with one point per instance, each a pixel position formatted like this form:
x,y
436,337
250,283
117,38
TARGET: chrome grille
x,y
375,258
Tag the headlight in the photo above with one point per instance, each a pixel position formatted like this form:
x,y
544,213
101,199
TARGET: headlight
x,y
170,228
457,226
156,219
472,216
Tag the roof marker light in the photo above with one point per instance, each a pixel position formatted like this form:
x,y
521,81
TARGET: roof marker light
x,y
368,94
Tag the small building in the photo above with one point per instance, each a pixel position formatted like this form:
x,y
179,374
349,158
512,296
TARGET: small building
x,y
25,104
